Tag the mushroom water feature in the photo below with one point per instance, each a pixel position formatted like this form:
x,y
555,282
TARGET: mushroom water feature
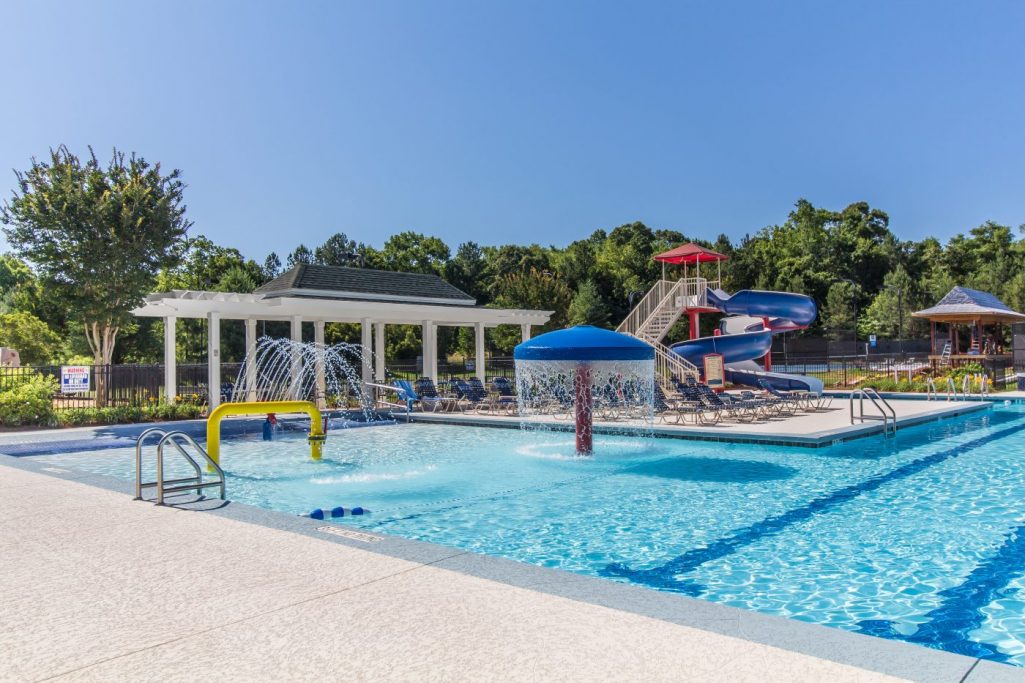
x,y
585,371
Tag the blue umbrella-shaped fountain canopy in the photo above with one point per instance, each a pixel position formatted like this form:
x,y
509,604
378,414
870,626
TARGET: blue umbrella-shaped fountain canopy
x,y
576,349
584,343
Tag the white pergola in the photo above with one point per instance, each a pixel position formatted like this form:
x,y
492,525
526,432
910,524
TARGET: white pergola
x,y
372,315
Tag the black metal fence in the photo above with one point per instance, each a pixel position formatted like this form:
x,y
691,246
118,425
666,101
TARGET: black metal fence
x,y
137,385
850,371
411,369
125,385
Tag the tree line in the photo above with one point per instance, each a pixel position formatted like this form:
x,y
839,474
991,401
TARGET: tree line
x,y
89,241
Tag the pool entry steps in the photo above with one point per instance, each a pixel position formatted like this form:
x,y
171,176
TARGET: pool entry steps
x,y
183,444
884,411
192,452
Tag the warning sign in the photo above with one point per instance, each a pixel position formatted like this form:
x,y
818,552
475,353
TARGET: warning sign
x,y
75,379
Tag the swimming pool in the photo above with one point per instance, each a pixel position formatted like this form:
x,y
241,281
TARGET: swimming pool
x,y
919,538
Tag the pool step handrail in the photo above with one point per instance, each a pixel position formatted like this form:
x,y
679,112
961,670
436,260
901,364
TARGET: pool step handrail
x,y
887,415
930,390
405,406
165,486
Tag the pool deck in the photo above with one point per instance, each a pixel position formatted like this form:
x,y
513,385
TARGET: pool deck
x,y
812,429
97,586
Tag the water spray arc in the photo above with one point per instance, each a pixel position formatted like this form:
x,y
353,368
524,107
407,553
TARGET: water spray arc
x,y
585,368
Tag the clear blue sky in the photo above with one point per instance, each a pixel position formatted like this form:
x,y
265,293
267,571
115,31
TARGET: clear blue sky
x,y
531,121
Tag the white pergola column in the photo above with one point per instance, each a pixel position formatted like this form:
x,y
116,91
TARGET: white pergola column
x,y
250,362
366,330
430,349
170,359
297,359
379,352
318,340
525,331
478,342
213,359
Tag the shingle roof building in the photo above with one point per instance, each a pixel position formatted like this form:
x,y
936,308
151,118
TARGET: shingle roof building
x,y
962,304
364,284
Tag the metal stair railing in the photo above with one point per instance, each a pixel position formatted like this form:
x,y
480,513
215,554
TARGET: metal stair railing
x,y
930,390
887,415
669,365
649,304
165,486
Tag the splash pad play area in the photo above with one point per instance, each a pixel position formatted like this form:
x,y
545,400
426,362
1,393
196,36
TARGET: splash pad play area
x,y
589,369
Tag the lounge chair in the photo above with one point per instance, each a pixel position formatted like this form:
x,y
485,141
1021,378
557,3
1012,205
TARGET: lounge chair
x,y
503,396
678,409
793,400
430,399
469,397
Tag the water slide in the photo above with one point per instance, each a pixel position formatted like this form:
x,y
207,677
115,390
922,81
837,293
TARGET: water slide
x,y
753,317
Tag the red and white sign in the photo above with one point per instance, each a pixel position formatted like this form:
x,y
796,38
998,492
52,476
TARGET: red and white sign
x,y
75,379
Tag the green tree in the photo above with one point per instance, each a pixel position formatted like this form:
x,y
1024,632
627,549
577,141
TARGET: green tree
x,y
271,267
537,290
337,250
412,252
33,339
97,236
300,256
841,308
892,307
587,307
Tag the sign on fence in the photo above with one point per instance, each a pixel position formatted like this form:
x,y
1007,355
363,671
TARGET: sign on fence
x,y
74,379
872,341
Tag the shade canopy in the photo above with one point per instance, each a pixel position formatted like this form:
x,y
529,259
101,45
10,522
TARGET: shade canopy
x,y
963,305
690,253
584,343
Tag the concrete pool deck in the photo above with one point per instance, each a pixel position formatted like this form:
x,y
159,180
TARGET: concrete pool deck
x,y
97,586
813,429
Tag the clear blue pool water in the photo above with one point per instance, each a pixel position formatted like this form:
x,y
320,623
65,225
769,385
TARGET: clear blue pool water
x,y
920,538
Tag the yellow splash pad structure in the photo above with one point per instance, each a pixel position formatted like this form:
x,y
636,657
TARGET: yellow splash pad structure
x,y
316,436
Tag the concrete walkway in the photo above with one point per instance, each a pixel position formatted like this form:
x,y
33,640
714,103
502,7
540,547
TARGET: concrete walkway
x,y
819,428
96,586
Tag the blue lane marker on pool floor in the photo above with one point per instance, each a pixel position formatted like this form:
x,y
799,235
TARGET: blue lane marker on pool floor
x,y
664,577
960,613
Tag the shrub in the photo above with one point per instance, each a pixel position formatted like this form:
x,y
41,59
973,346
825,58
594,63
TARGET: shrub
x,y
28,400
80,417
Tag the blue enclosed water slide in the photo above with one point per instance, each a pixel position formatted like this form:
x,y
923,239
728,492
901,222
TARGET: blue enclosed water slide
x,y
747,335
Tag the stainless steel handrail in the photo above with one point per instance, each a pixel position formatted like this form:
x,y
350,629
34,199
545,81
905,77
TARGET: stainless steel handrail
x,y
138,458
930,390
886,415
388,387
185,485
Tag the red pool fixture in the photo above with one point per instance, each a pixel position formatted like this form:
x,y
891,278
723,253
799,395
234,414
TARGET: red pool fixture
x,y
579,363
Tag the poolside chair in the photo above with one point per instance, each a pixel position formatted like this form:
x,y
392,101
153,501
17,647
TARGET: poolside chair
x,y
469,397
503,396
726,406
430,399
706,406
792,400
406,393
677,408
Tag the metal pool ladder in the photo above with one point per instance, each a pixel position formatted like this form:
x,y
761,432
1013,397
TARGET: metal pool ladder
x,y
179,440
887,415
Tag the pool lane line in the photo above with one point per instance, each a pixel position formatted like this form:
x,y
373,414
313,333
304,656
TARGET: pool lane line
x,y
664,577
960,611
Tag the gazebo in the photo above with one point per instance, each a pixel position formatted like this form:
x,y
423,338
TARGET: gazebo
x,y
981,315
323,294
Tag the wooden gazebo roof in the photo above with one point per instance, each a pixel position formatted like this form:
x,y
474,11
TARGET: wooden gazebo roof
x,y
963,305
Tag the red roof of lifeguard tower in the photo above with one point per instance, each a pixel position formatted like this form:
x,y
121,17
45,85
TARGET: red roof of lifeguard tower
x,y
690,253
